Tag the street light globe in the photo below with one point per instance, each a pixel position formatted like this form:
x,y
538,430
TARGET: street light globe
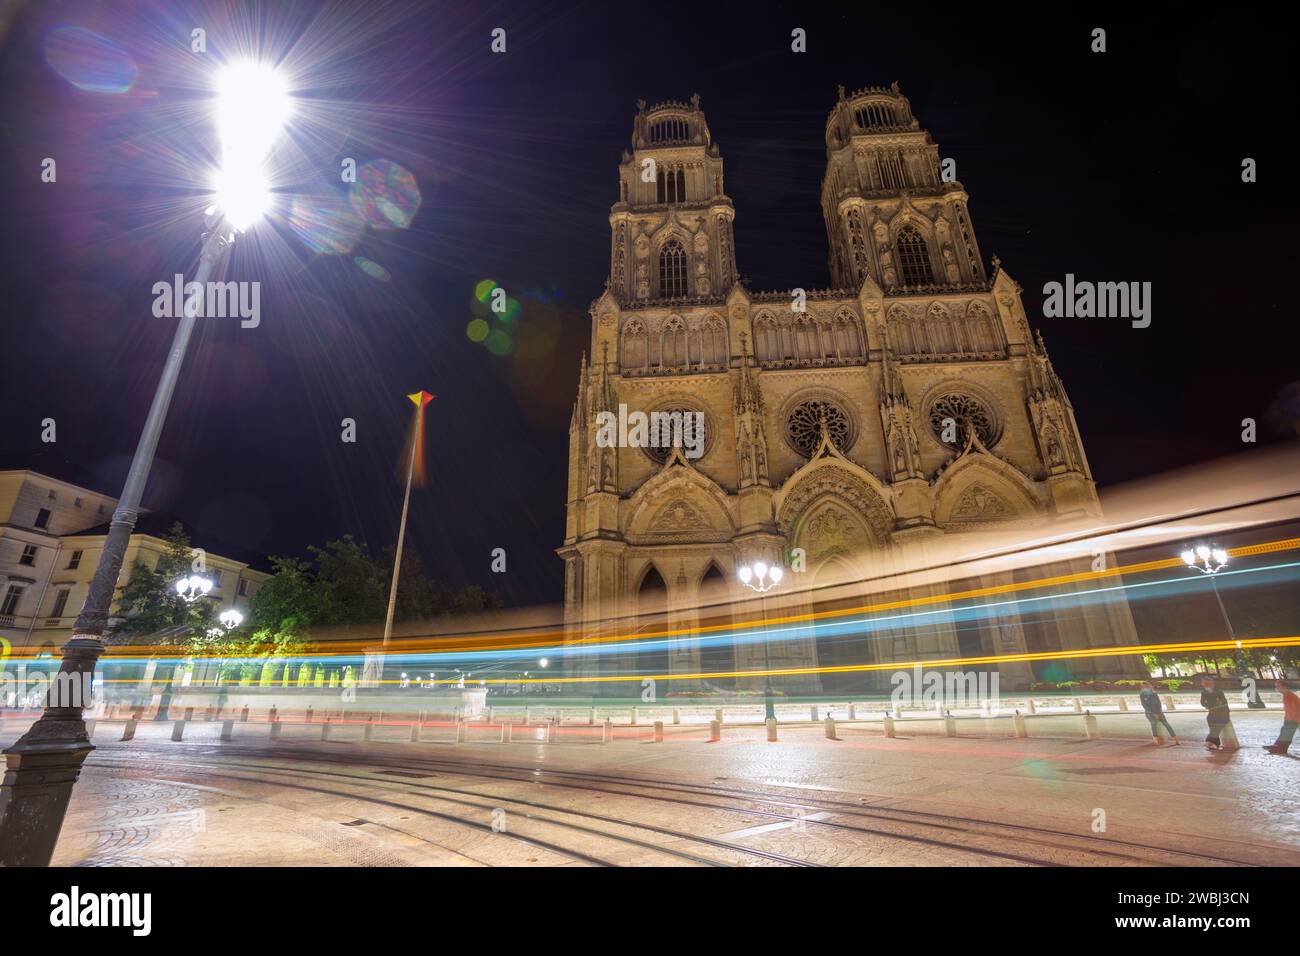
x,y
231,618
760,569
775,573
1203,552
1220,556
745,574
253,105
1189,556
545,662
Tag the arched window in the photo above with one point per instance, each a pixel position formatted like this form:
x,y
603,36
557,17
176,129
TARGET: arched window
x,y
681,185
714,350
673,351
848,344
767,342
913,257
634,345
672,270
661,195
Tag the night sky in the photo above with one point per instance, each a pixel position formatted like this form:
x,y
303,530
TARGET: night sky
x,y
1122,166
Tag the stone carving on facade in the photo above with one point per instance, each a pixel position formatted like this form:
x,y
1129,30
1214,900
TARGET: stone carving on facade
x,y
978,503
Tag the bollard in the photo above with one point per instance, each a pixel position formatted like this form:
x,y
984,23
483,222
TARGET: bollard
x,y
1090,726
717,716
275,730
1078,706
606,731
896,711
949,725
368,729
830,728
178,730
271,714
489,715
1228,738
659,731
325,729
227,729
853,712
415,732
771,730
984,709
1123,705
812,713
243,715
507,732
460,732
1031,706
889,725
715,731
677,715
90,729
189,713
591,717
309,710
633,716
128,732
1022,731
528,715
210,713
1169,703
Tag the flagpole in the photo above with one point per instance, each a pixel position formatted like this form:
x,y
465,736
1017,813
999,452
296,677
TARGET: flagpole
x,y
420,401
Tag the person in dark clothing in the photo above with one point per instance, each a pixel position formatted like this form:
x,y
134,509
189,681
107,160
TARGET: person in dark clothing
x,y
1155,713
1216,713
1290,719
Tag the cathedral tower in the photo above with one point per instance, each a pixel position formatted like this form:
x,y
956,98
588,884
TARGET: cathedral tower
x,y
845,427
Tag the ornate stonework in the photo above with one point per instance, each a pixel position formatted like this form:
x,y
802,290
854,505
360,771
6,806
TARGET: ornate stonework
x,y
824,412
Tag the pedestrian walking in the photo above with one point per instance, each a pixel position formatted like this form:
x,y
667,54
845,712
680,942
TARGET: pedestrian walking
x,y
1155,713
1216,713
1290,719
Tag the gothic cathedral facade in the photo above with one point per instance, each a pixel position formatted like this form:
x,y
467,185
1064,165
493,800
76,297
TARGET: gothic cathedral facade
x,y
845,426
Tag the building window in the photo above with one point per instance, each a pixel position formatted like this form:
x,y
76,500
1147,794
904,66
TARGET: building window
x,y
60,603
52,494
12,597
955,414
243,587
913,257
43,518
803,427
672,270
74,562
215,574
76,502
29,555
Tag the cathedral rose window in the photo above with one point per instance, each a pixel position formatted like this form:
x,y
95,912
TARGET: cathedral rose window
x,y
968,413
803,429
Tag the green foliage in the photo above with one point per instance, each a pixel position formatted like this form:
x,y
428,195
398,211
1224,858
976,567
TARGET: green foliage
x,y
150,610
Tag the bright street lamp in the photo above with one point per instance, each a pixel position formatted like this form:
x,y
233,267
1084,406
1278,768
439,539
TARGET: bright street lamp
x,y
43,765
193,587
231,619
762,578
1210,560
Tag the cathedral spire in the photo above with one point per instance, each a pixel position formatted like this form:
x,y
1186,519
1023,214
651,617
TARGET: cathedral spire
x,y
751,435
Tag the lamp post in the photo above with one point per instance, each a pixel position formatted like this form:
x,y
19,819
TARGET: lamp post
x,y
190,588
761,577
1210,561
43,765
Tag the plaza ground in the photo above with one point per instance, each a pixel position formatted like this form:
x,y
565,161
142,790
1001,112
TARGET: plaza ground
x,y
982,798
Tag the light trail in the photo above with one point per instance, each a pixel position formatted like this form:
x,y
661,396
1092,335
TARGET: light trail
x,y
546,640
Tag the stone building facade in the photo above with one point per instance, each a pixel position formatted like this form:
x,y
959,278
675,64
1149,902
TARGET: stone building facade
x,y
908,402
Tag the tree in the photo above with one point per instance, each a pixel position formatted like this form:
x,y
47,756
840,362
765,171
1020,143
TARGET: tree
x,y
150,611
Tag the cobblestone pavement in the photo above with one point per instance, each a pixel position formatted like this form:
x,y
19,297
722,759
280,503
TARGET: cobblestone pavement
x,y
918,799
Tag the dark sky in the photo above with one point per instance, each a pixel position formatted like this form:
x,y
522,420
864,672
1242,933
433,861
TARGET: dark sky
x,y
1122,166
